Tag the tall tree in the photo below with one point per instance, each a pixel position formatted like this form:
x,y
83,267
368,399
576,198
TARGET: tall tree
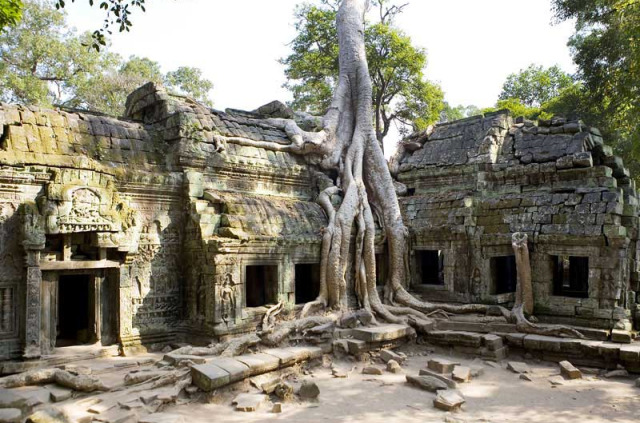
x,y
606,49
401,94
535,85
10,12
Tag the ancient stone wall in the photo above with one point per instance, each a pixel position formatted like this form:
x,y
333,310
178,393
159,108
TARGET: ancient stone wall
x,y
474,182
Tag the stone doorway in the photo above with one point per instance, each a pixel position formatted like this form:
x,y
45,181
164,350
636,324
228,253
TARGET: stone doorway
x,y
75,311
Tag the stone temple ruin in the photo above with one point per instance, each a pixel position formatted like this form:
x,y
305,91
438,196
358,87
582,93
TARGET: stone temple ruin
x,y
146,230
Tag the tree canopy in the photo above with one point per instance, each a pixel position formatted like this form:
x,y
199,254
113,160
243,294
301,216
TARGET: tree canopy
x,y
401,93
43,62
535,85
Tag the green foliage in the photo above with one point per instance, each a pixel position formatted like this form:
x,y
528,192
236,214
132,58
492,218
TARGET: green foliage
x,y
451,113
606,49
10,13
44,63
535,85
401,94
518,108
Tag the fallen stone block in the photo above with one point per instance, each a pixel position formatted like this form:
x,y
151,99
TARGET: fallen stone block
x,y
349,320
394,367
58,394
518,367
48,415
284,391
209,377
442,365
8,399
569,371
339,372
370,370
259,363
383,333
461,374
277,408
449,382
249,402
427,383
524,376
309,390
448,400
236,369
616,373
556,380
387,355
365,317
492,342
10,415
355,346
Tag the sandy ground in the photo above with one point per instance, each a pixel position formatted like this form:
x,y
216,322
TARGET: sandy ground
x,y
497,396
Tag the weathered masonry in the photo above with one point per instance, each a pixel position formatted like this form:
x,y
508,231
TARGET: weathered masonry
x,y
472,183
144,230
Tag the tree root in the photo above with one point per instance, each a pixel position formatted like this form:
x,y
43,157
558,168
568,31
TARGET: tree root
x,y
235,346
82,383
270,316
282,331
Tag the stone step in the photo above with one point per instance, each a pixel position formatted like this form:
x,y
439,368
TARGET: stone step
x,y
221,371
383,333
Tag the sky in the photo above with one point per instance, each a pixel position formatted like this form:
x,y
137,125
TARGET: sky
x,y
472,45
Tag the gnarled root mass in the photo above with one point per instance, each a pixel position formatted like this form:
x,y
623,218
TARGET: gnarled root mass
x,y
233,347
82,383
347,144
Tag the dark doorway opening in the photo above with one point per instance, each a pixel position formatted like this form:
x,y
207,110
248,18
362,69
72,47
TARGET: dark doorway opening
x,y
505,275
261,285
74,310
571,276
307,282
381,269
431,265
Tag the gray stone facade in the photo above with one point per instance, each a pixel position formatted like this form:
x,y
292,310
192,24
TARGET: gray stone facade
x,y
473,183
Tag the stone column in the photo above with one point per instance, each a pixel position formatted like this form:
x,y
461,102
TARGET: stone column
x,y
125,323
32,338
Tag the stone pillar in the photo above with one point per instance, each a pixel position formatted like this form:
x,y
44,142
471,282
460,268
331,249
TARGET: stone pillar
x,y
125,323
32,338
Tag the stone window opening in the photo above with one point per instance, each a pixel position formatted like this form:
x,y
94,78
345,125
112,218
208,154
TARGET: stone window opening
x,y
307,279
571,276
431,267
504,274
74,310
261,285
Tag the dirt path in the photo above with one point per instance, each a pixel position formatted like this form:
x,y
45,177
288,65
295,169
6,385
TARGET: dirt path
x,y
497,396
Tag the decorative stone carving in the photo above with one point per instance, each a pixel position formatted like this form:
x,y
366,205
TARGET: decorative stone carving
x,y
228,298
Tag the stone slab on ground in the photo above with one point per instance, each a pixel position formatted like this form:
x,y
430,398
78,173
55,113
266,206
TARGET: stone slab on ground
x,y
237,370
286,356
518,367
442,365
59,394
449,400
372,370
209,377
356,346
449,382
394,367
461,374
249,402
387,355
427,383
383,333
162,418
556,380
569,371
259,363
306,353
9,399
175,359
616,373
10,415
309,390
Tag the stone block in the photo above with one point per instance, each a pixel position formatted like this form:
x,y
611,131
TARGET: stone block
x,y
387,355
259,363
442,365
448,400
286,356
371,370
518,367
492,342
569,371
383,333
209,377
10,415
355,346
461,374
59,394
451,384
621,336
236,369
249,402
427,383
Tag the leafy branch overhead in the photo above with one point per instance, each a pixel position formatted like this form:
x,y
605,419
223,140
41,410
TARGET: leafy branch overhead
x,y
401,93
